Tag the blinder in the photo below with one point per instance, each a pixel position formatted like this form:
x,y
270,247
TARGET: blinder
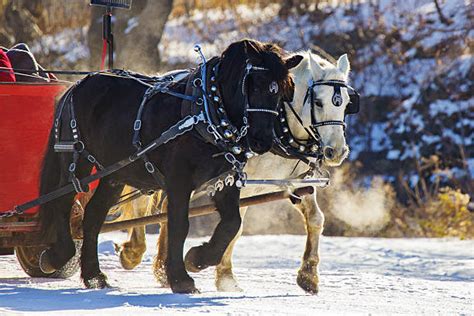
x,y
353,106
249,69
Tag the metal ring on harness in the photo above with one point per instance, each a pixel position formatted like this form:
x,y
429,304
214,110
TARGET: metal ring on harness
x,y
197,83
199,101
81,148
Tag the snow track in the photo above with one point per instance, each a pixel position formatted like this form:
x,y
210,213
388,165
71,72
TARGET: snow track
x,y
358,276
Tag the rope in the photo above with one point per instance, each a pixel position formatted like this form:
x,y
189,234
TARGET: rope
x,y
19,72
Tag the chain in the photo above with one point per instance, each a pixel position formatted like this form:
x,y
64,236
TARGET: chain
x,y
238,167
316,169
11,213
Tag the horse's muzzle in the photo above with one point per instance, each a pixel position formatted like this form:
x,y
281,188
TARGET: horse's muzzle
x,y
260,146
334,157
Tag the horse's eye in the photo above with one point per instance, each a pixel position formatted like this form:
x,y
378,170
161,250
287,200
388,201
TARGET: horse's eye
x,y
318,103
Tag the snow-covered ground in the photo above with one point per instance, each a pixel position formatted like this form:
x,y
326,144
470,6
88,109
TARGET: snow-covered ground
x,y
358,276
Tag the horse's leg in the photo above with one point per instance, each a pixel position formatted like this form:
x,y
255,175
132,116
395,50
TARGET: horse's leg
x,y
131,252
308,274
179,192
159,264
55,215
63,247
94,216
210,254
225,280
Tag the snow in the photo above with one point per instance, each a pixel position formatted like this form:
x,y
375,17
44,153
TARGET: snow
x,y
358,276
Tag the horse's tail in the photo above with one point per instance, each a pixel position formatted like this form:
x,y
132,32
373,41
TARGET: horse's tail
x,y
50,179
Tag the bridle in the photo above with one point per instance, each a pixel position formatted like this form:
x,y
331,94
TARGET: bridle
x,y
225,134
312,147
352,107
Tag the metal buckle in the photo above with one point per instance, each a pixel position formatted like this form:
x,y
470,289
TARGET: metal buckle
x,y
149,167
72,167
137,125
91,159
73,123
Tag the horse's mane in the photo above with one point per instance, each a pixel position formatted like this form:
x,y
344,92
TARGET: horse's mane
x,y
270,56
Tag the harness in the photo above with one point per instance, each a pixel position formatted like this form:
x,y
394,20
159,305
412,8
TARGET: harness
x,y
288,146
224,135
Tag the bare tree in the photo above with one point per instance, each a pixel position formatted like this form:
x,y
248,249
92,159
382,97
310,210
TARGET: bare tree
x,y
442,18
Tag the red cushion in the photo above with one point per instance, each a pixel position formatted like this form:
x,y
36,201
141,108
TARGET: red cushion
x,y
6,76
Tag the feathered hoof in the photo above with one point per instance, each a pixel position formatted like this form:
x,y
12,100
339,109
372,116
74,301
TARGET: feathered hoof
x,y
193,261
308,282
159,271
45,264
227,284
97,282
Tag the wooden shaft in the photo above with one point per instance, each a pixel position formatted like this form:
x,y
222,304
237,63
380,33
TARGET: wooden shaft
x,y
205,209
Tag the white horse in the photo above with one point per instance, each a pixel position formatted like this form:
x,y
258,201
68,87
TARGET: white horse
x,y
316,74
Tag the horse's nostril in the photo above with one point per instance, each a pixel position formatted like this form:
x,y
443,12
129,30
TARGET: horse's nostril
x,y
329,152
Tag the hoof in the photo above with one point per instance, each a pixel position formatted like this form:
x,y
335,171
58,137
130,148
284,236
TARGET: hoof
x,y
227,284
308,282
184,287
129,258
97,282
45,264
193,262
159,271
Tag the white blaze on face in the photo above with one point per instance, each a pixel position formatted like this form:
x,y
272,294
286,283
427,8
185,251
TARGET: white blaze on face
x,y
331,135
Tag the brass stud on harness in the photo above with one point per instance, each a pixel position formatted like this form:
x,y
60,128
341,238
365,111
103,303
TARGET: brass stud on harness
x,y
228,134
237,150
213,88
282,119
285,129
301,148
216,98
249,154
224,123
314,148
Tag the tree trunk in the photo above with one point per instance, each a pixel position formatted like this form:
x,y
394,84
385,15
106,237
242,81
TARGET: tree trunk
x,y
137,34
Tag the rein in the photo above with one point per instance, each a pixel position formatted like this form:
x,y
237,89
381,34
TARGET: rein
x,y
188,123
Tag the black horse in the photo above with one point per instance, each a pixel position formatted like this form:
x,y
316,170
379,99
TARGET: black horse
x,y
247,82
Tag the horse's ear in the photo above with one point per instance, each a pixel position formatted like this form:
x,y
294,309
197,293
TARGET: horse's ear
x,y
293,61
315,67
289,93
343,65
251,50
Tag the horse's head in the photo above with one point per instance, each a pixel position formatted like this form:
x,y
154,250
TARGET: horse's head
x,y
322,99
253,78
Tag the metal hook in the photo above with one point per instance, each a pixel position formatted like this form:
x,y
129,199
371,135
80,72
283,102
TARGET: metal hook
x,y
198,49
